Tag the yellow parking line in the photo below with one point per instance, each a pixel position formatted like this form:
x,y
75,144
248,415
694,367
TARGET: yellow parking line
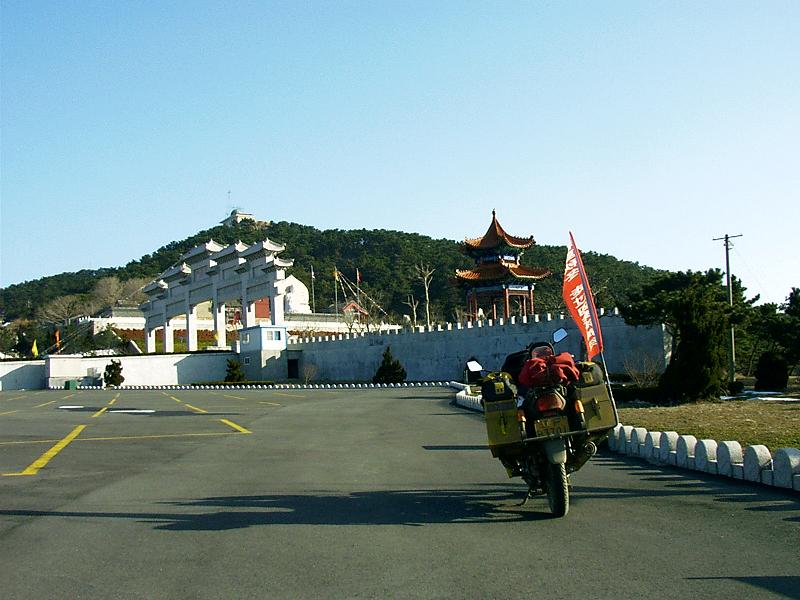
x,y
123,437
235,426
194,408
14,398
100,412
234,397
45,458
45,404
9,412
152,437
270,403
289,395
173,397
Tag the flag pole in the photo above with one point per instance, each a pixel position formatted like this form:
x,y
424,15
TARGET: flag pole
x,y
336,292
313,296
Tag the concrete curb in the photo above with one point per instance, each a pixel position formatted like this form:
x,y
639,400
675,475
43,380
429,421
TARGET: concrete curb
x,y
753,463
277,386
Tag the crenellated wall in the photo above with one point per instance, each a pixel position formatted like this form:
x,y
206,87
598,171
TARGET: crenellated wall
x,y
441,352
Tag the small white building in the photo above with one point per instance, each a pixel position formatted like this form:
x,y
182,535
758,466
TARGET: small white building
x,y
237,216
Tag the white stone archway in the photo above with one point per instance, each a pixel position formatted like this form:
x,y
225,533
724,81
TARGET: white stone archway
x,y
221,274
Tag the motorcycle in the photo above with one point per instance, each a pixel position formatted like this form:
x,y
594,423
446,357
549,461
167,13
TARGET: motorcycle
x,y
545,416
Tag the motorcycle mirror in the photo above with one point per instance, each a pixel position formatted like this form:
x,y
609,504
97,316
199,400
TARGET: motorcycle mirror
x,y
559,334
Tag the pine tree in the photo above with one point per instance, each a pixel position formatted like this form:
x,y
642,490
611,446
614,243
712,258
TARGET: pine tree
x,y
113,374
694,309
233,372
390,370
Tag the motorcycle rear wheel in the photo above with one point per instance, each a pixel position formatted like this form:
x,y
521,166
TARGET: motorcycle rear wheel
x,y
557,490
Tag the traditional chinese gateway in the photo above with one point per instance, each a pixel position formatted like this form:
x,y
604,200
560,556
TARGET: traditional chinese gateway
x,y
498,277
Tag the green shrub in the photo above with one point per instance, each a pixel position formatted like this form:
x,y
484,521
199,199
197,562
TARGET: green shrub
x,y
233,372
390,369
772,372
113,374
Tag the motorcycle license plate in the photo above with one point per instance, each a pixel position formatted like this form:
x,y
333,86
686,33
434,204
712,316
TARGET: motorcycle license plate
x,y
551,426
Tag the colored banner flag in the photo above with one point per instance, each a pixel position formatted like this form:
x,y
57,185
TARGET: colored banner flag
x,y
336,274
358,276
35,350
578,297
58,340
312,273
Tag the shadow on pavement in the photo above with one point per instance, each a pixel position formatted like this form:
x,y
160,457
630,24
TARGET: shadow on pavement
x,y
788,586
680,482
392,507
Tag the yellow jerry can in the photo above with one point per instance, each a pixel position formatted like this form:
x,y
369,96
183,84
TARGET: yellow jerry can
x,y
598,405
500,412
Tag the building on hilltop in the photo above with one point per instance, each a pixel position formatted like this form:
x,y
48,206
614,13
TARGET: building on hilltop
x,y
498,277
237,216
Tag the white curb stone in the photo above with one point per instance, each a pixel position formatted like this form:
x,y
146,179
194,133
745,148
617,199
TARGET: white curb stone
x,y
612,437
651,450
785,465
756,459
623,438
705,456
737,471
637,441
685,451
768,477
728,454
667,446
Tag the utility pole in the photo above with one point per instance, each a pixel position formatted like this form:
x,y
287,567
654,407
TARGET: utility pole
x,y
731,339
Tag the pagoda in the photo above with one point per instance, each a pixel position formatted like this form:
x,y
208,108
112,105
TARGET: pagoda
x,y
498,277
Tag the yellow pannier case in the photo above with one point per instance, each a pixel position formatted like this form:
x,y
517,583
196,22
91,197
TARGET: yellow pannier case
x,y
598,405
500,412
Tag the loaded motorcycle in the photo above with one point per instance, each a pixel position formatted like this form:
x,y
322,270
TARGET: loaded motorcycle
x,y
545,415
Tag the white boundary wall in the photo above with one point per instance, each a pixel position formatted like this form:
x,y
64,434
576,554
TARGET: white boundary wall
x,y
158,370
440,353
22,375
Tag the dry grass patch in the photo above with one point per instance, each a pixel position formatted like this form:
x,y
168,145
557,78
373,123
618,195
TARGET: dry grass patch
x,y
771,423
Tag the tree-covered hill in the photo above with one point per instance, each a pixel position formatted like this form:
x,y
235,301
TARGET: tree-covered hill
x,y
385,259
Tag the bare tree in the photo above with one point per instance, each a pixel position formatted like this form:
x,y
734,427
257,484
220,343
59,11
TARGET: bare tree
x,y
412,303
425,274
109,291
349,318
132,290
642,369
64,308
106,292
309,372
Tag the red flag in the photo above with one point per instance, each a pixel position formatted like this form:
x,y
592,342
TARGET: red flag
x,y
578,297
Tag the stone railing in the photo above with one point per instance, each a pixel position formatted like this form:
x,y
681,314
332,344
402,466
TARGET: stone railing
x,y
755,464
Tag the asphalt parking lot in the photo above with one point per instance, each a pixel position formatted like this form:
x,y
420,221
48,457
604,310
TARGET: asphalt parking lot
x,y
348,493
56,431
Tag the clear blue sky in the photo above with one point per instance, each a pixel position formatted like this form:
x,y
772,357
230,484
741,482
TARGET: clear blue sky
x,y
646,128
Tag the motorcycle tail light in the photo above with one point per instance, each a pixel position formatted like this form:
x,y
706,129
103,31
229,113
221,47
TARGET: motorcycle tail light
x,y
550,401
579,407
